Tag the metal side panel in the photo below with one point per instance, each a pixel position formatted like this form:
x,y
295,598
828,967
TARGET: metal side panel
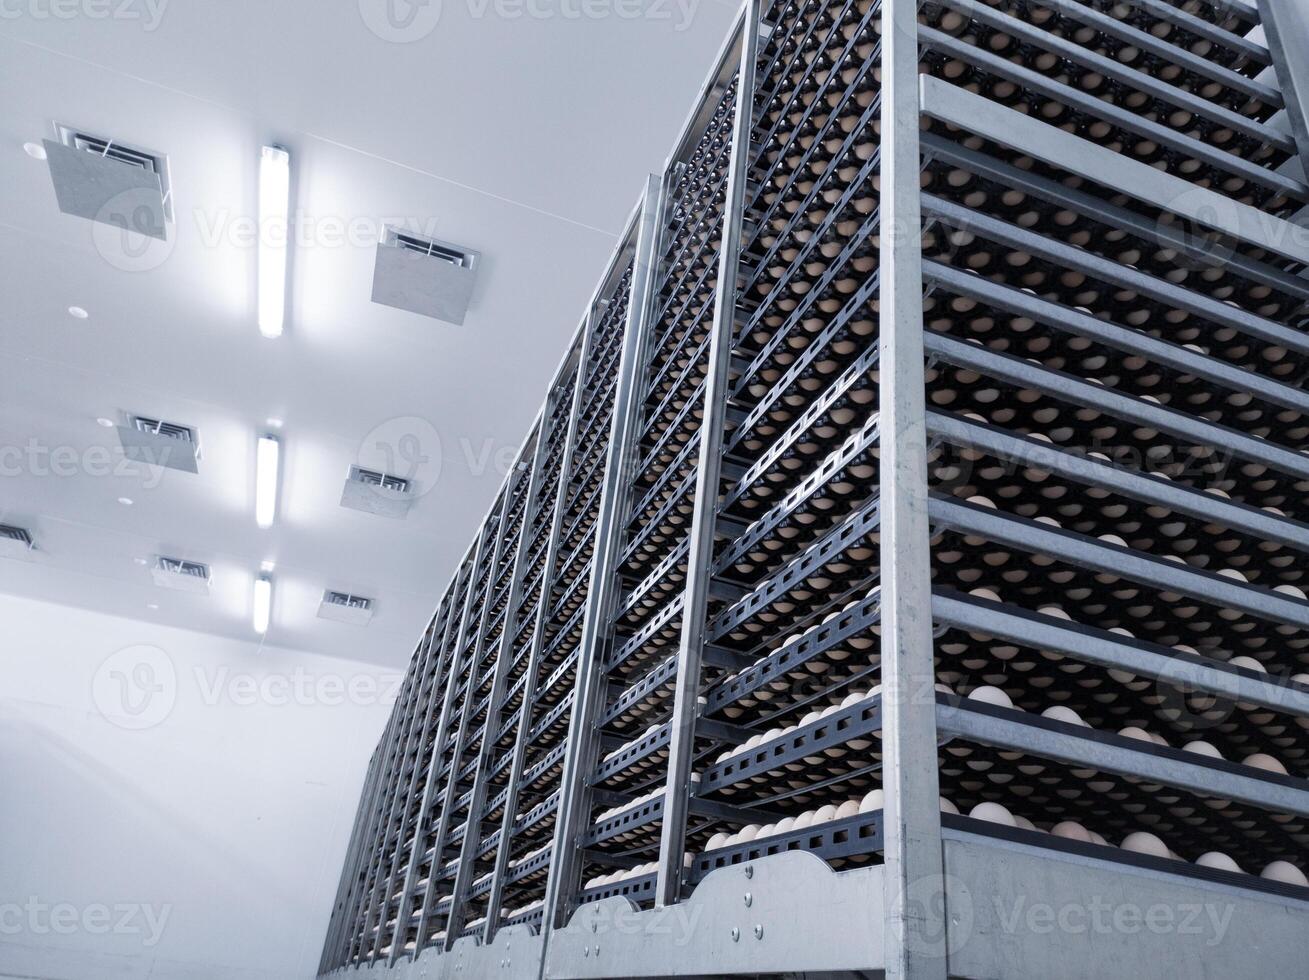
x,y
1286,24
1022,912
785,913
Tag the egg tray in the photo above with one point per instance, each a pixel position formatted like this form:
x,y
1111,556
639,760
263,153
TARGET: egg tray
x,y
1206,542
1093,418
1271,351
1133,87
833,751
1056,102
1168,57
1108,223
972,772
801,672
1108,586
1109,700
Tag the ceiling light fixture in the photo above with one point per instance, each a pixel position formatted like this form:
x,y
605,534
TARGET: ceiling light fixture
x,y
274,204
34,150
263,604
78,313
106,423
126,501
267,458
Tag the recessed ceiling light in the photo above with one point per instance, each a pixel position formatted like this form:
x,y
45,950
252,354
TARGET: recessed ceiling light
x,y
78,312
274,423
263,604
34,150
141,561
152,605
107,423
126,501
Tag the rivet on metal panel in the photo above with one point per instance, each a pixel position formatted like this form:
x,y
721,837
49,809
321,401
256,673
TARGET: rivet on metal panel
x,y
736,935
749,899
759,931
749,870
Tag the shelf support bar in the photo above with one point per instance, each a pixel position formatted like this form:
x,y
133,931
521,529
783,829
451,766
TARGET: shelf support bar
x,y
914,926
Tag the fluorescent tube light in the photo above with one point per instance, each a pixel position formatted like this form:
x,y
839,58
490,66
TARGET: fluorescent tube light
x,y
274,233
263,603
267,458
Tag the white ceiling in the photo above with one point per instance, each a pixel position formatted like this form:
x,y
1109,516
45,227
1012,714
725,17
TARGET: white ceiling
x,y
525,137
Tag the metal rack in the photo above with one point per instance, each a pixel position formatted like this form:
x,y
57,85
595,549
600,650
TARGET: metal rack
x,y
708,686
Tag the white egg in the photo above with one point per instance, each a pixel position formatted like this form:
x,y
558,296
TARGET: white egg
x,y
1061,713
847,809
1249,663
1144,842
946,806
992,813
785,825
1219,860
1023,822
1071,830
748,833
805,819
873,800
1098,838
991,695
1201,747
1285,872
1131,731
825,813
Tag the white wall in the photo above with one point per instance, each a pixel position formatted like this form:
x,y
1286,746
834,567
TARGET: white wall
x,y
197,832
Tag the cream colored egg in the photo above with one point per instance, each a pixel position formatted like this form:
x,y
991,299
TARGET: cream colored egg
x,y
1267,763
1071,830
849,808
1144,842
873,800
1061,713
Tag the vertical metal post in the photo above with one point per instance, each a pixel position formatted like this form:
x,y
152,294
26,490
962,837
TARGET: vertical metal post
x,y
491,725
496,897
413,743
456,626
708,489
1286,26
386,804
913,928
452,779
439,669
349,872
579,754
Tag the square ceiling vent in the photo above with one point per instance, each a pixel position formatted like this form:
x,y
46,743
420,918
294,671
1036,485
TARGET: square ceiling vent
x,y
424,276
160,443
180,574
99,178
377,493
15,542
342,607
